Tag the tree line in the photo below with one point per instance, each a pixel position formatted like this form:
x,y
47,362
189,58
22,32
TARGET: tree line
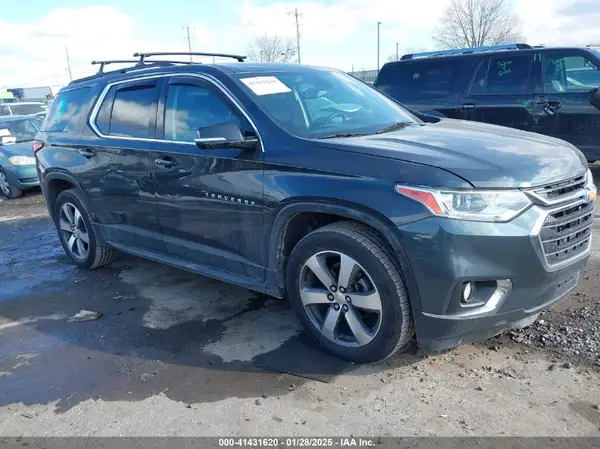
x,y
464,24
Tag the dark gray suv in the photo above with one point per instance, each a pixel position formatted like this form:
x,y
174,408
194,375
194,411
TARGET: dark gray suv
x,y
305,183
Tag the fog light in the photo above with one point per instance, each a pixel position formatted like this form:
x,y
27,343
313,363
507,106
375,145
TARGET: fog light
x,y
467,291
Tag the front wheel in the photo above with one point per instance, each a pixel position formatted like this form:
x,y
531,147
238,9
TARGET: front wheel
x,y
76,233
6,188
348,293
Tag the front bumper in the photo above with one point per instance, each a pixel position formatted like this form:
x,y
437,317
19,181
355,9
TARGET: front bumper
x,y
23,176
444,254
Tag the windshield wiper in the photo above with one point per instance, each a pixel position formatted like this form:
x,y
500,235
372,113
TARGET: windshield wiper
x,y
332,136
394,127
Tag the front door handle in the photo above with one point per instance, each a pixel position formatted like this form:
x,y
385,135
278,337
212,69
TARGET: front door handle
x,y
165,163
467,106
87,153
551,107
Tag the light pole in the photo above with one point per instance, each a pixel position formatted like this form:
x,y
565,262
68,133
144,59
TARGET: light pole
x,y
397,55
378,25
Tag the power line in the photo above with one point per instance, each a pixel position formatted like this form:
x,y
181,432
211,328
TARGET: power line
x,y
68,63
296,14
378,25
187,29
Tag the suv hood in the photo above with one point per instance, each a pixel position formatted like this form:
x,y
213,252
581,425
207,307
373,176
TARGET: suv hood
x,y
487,156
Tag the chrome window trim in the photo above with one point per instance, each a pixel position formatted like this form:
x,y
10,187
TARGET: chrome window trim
x,y
96,109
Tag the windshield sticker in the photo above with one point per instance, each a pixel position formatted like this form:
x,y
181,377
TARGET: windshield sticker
x,y
4,132
266,85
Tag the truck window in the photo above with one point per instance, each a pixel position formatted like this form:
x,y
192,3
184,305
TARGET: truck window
x,y
569,73
502,75
426,79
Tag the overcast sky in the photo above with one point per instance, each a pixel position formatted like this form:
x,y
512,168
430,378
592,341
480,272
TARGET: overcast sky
x,y
338,33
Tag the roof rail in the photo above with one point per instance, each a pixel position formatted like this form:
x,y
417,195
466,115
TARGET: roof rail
x,y
114,61
143,56
462,51
137,65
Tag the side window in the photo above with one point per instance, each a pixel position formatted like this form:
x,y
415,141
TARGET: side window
x,y
133,111
190,108
478,84
502,75
65,109
3,110
431,79
569,73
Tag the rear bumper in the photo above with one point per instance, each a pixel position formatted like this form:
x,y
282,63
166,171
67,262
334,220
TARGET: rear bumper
x,y
444,254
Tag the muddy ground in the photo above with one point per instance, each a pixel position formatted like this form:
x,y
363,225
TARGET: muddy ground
x,y
178,354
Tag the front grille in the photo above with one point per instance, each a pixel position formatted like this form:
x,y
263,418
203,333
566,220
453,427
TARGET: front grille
x,y
566,232
560,190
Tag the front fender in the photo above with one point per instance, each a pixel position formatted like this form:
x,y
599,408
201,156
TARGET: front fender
x,y
353,212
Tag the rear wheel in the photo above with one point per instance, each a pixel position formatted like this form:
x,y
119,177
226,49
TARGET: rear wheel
x,y
76,233
348,293
6,189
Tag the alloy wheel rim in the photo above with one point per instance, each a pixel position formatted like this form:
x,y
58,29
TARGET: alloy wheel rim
x,y
340,299
74,231
4,184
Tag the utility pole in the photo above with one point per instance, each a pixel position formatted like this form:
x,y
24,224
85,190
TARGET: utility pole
x,y
68,63
187,29
378,25
296,14
397,55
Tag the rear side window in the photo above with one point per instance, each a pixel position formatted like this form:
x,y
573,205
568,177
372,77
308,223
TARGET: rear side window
x,y
134,108
508,75
67,110
431,79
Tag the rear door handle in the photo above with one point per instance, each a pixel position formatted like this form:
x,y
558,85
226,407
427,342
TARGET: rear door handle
x,y
467,106
165,163
87,153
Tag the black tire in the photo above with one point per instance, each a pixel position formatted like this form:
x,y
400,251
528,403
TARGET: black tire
x,y
13,191
98,254
367,248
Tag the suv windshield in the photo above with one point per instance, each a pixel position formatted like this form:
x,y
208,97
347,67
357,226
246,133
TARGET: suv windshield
x,y
22,130
320,104
26,109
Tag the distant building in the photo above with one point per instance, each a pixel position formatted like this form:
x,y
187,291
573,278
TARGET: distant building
x,y
368,76
32,93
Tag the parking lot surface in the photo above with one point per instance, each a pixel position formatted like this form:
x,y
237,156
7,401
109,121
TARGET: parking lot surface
x,y
174,353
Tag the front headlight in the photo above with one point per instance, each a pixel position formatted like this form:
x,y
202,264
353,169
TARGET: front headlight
x,y
21,160
591,186
475,205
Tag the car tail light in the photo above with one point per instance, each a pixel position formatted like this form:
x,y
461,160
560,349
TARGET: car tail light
x,y
37,146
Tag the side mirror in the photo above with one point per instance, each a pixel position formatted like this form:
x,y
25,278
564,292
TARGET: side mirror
x,y
595,98
224,135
